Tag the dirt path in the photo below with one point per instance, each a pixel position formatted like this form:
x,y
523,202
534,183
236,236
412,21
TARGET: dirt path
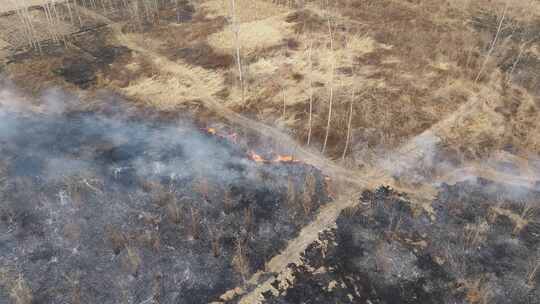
x,y
368,178
210,102
326,219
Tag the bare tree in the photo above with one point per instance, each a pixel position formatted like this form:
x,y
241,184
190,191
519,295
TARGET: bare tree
x,y
240,260
351,112
236,30
331,84
349,123
29,31
493,43
310,119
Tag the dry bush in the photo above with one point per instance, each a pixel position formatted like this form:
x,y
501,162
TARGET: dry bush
x,y
249,219
72,231
228,202
477,292
520,221
156,288
240,259
195,223
476,233
74,281
20,292
352,212
215,240
310,188
75,190
530,209
117,238
292,193
382,261
201,186
174,211
160,196
131,262
148,238
534,270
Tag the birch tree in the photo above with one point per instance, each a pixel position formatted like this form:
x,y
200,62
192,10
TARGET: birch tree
x,y
236,31
310,118
331,84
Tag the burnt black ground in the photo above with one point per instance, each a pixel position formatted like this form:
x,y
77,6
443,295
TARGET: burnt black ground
x,y
382,253
105,207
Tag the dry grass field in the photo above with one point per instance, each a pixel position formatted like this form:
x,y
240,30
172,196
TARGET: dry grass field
x,y
7,6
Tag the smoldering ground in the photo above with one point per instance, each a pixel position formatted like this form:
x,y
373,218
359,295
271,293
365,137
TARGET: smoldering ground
x,y
102,207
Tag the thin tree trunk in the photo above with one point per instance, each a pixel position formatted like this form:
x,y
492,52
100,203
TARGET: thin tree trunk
x,y
492,47
516,62
236,30
349,127
331,101
310,92
68,5
284,102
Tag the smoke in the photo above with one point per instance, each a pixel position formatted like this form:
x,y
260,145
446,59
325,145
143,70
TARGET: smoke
x,y
423,160
73,143
75,182
416,160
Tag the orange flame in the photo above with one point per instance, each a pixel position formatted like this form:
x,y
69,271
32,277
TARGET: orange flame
x,y
285,159
233,137
256,157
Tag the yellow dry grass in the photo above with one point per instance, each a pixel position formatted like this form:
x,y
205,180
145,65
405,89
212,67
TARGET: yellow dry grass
x,y
246,10
3,49
274,73
177,83
253,36
518,221
11,5
3,44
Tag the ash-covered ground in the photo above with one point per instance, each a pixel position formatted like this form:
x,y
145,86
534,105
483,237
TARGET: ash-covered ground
x,y
476,250
104,207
